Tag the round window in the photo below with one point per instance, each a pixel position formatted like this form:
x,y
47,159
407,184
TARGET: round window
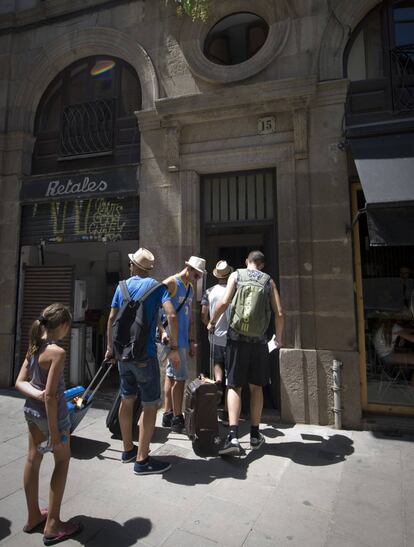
x,y
235,38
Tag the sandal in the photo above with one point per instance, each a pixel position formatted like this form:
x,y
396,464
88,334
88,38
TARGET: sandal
x,y
71,530
30,530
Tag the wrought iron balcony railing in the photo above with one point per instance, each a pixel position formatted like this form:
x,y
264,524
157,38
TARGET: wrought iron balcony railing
x,y
88,128
402,58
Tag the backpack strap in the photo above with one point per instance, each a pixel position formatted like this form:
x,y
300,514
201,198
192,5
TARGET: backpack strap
x,y
124,290
150,291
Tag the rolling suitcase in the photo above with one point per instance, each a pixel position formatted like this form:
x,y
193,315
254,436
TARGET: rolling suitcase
x,y
112,420
79,400
200,414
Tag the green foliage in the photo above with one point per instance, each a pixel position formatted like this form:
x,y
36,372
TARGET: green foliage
x,y
196,9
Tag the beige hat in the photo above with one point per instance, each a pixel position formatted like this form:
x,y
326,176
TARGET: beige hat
x,y
222,269
197,263
143,258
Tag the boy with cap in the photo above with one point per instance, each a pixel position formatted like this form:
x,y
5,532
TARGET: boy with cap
x,y
144,375
180,288
218,338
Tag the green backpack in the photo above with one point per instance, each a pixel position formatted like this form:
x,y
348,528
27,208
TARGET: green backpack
x,y
250,308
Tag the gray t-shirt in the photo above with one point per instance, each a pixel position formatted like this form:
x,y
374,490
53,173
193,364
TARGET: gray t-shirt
x,y
211,298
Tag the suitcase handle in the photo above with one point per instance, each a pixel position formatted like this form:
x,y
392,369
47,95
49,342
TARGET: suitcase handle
x,y
88,389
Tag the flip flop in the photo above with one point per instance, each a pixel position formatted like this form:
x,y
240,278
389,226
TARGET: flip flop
x,y
28,530
72,529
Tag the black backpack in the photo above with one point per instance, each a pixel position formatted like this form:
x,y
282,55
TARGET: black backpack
x,y
130,330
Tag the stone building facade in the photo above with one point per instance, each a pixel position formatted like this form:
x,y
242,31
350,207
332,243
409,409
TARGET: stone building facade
x,y
199,119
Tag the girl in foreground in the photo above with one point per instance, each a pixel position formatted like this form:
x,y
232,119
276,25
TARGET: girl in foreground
x,y
41,381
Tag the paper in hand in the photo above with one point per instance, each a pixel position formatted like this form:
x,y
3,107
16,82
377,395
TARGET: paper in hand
x,y
272,344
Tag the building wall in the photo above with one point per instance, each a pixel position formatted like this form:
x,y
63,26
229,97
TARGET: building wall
x,y
198,118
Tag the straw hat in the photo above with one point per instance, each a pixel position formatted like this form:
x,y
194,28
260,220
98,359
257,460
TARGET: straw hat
x,y
222,269
197,263
142,258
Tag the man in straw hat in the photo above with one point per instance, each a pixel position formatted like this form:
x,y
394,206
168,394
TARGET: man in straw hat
x,y
218,339
180,288
143,376
252,294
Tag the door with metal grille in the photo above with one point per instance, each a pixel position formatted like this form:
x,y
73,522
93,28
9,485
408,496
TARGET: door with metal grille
x,y
238,215
43,285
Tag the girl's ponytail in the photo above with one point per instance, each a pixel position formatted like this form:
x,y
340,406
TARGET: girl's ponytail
x,y
51,317
35,336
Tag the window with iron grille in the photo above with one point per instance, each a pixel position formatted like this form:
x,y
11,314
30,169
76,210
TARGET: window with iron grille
x,y
87,114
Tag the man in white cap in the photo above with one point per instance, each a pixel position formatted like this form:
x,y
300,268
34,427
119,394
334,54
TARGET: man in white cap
x,y
218,338
180,288
145,375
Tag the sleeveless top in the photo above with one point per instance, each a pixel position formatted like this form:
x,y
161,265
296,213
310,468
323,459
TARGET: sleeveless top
x,y
184,315
38,378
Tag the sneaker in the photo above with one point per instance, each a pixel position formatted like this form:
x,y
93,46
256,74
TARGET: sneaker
x,y
224,417
177,424
256,442
129,455
151,467
231,447
167,418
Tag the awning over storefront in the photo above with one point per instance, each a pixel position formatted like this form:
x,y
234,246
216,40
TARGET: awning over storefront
x,y
385,166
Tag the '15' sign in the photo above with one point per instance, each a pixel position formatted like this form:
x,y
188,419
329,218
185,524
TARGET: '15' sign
x,y
266,125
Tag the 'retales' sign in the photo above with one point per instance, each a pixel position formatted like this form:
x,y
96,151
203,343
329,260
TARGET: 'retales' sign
x,y
80,185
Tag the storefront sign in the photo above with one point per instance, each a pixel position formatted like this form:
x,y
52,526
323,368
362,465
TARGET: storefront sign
x,y
75,185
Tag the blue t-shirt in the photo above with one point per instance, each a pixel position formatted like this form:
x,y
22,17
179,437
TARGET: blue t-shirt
x,y
137,286
184,315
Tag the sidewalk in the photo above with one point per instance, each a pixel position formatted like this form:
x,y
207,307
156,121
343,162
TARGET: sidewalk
x,y
309,487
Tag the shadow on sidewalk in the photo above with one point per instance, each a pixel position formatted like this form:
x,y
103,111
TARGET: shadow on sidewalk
x,y
322,452
99,532
5,528
86,449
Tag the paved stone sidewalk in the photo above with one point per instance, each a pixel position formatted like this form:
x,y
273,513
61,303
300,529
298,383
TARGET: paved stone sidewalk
x,y
309,487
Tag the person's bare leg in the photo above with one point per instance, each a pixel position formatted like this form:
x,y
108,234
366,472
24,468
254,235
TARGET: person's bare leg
x,y
168,401
218,373
256,404
234,404
125,415
146,430
31,477
57,487
177,396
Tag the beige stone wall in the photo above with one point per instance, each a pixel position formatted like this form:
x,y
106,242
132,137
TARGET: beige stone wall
x,y
198,119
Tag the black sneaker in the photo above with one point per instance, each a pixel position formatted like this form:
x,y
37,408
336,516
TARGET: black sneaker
x,y
129,455
177,424
167,418
223,417
256,442
231,447
151,467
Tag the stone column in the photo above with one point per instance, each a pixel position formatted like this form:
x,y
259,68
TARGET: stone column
x,y
16,151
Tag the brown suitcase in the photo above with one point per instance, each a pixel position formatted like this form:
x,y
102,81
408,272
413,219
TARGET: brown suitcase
x,y
200,414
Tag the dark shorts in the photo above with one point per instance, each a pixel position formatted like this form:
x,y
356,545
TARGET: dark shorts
x,y
141,376
247,363
219,355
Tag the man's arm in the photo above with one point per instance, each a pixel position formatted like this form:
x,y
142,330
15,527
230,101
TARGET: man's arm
x,y
204,315
111,319
277,310
225,301
169,310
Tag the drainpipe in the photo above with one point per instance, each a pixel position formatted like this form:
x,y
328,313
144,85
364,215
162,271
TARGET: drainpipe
x,y
336,388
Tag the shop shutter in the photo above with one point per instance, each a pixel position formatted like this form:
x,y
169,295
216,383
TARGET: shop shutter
x,y
43,285
95,219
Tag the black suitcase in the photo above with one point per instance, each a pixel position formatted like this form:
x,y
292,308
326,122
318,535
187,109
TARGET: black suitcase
x,y
200,414
112,420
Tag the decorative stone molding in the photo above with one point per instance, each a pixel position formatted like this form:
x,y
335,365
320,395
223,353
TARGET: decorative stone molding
x,y
273,96
172,136
300,132
344,17
56,55
278,16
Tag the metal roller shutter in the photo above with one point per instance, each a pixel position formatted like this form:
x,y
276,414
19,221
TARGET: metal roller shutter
x,y
43,285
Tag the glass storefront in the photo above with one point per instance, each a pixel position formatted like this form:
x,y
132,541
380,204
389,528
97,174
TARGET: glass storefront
x,y
385,297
